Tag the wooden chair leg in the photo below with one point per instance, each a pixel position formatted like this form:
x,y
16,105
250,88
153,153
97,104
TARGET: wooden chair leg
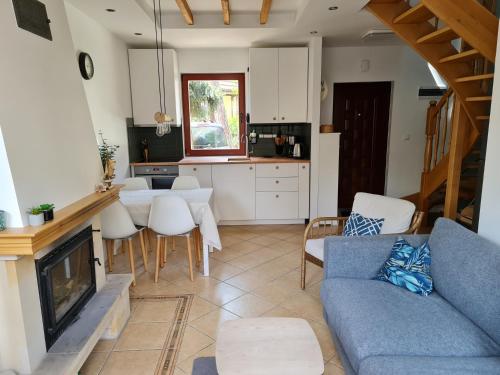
x,y
158,258
143,250
173,243
131,259
146,239
162,241
124,244
303,270
197,236
109,247
152,239
190,257
165,251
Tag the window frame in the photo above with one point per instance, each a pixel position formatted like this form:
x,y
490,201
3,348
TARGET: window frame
x,y
240,77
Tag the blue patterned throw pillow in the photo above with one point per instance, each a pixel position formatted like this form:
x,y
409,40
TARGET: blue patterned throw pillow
x,y
408,267
358,225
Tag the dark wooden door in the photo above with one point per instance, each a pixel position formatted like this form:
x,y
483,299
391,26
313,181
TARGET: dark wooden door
x,y
361,115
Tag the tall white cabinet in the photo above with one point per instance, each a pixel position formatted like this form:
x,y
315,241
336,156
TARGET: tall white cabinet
x,y
278,85
144,85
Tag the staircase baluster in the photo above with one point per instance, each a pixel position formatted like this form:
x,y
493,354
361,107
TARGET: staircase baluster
x,y
445,130
437,136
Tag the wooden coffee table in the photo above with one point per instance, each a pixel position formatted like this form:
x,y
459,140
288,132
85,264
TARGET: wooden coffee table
x,y
268,346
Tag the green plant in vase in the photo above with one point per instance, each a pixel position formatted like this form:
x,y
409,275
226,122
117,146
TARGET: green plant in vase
x,y
107,153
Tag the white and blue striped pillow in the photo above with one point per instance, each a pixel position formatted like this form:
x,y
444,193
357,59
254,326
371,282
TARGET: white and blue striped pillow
x,y
358,225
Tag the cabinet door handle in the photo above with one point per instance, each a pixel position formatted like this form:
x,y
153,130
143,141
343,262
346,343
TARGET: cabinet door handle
x,y
282,118
194,169
277,195
250,168
274,118
277,167
303,167
277,182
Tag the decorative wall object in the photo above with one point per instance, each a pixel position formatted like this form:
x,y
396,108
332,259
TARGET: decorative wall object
x,y
31,15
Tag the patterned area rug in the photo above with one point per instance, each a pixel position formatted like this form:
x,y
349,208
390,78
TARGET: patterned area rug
x,y
168,358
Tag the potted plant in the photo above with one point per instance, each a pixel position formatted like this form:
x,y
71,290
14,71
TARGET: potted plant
x,y
107,153
48,211
35,216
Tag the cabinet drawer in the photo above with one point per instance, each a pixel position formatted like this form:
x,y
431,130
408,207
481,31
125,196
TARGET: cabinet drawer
x,y
277,205
202,172
278,184
278,170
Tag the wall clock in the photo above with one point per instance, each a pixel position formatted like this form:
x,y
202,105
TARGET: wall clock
x,y
86,65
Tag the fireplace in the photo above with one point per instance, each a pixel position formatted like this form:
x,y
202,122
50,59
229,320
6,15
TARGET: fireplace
x,y
66,281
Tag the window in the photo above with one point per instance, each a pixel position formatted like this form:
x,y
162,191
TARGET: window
x,y
214,114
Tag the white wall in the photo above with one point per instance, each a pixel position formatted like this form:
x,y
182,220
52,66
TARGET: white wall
x,y
490,201
214,60
45,120
108,92
408,72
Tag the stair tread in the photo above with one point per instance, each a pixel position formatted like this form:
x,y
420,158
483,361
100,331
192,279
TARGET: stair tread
x,y
444,34
418,13
462,56
479,77
478,99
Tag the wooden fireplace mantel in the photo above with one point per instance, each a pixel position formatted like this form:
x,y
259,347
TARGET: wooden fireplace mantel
x,y
29,240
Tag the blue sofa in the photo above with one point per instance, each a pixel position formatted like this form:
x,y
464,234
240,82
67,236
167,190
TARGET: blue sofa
x,y
381,329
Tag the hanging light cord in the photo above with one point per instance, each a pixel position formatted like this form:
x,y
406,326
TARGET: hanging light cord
x,y
158,55
162,60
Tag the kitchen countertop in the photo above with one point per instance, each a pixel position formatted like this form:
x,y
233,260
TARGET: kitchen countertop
x,y
224,160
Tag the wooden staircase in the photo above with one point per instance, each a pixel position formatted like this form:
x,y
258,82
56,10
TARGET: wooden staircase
x,y
459,39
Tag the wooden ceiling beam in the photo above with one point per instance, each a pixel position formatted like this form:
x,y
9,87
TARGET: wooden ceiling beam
x,y
264,12
185,11
226,12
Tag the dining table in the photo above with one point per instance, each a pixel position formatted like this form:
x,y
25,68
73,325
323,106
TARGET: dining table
x,y
200,203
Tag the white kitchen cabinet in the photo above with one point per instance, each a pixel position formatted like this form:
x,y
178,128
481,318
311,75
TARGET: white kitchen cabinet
x,y
328,184
277,184
278,85
293,78
234,191
304,190
276,205
202,172
264,85
277,170
144,86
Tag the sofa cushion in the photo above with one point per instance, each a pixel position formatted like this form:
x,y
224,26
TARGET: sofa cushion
x,y
372,318
391,365
316,247
466,272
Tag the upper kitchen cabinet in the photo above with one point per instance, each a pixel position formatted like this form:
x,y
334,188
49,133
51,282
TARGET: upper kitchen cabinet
x,y
144,85
278,85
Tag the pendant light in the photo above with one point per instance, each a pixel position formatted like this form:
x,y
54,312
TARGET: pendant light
x,y
162,119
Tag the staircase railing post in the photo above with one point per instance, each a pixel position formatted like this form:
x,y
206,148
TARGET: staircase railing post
x,y
430,131
459,131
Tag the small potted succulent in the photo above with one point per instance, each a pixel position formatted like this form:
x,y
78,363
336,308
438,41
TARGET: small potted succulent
x,y
48,211
35,216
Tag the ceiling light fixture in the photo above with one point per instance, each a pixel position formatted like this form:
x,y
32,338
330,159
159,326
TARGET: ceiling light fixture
x,y
110,10
333,8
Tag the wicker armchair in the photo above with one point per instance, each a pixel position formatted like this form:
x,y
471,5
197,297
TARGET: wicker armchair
x,y
321,227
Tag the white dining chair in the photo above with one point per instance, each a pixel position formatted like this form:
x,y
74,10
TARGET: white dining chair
x,y
185,183
116,224
135,183
170,216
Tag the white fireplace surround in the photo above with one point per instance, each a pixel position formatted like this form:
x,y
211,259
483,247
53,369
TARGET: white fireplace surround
x,y
22,342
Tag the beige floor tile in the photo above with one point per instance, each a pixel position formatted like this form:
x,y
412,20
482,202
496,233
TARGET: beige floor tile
x,y
264,240
178,371
283,247
147,286
209,324
314,289
197,286
221,293
306,305
104,346
273,292
229,240
254,258
94,363
187,364
143,336
246,281
325,340
281,312
192,342
199,308
224,271
154,311
141,362
245,235
249,306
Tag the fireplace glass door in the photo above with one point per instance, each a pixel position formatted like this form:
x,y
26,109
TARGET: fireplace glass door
x,y
66,278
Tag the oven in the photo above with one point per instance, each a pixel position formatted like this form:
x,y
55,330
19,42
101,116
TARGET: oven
x,y
158,176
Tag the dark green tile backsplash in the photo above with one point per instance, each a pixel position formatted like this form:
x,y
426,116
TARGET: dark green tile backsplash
x,y
167,148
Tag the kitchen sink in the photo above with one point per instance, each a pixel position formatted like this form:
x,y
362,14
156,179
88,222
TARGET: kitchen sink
x,y
238,159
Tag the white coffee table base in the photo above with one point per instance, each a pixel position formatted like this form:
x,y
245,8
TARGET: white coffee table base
x,y
268,346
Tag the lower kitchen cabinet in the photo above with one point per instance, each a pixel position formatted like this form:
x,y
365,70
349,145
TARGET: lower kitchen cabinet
x,y
234,191
277,205
202,172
